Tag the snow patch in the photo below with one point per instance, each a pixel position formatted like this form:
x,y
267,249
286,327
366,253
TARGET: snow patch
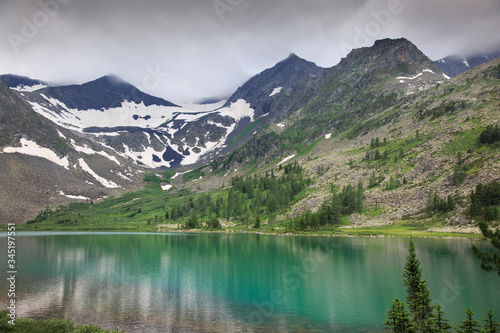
x,y
177,174
409,78
77,197
166,187
122,176
33,149
281,125
145,157
286,159
428,71
446,76
61,135
128,114
210,146
465,62
23,88
276,91
328,136
87,150
238,110
103,181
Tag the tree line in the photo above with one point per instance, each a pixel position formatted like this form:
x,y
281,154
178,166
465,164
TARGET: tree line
x,y
345,202
246,198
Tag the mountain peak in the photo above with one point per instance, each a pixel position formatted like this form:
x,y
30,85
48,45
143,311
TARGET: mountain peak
x,y
109,81
105,92
391,54
390,42
112,78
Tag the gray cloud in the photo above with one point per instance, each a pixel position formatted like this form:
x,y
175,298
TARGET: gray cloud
x,y
209,50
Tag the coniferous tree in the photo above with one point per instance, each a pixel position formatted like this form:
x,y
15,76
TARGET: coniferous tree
x,y
418,295
257,223
469,325
398,318
440,323
214,223
490,261
314,221
490,326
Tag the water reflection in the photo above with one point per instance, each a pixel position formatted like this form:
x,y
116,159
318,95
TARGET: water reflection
x,y
232,283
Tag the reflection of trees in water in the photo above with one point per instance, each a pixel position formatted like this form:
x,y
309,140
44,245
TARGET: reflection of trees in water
x,y
214,280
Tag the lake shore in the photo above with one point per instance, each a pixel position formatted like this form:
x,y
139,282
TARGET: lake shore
x,y
388,231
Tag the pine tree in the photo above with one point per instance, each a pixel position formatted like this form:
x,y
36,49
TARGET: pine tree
x,y
257,223
419,296
469,325
490,261
440,323
314,221
398,318
490,326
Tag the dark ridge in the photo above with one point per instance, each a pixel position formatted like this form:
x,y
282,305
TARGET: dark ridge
x,y
13,81
104,93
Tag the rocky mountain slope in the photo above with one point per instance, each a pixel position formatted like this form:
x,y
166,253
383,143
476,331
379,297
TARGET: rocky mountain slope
x,y
326,119
427,143
364,83
44,164
149,131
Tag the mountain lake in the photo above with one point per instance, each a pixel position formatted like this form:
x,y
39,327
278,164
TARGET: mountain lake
x,y
146,282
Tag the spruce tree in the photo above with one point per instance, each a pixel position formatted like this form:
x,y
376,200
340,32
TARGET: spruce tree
x,y
398,318
469,325
490,261
419,296
440,323
257,223
490,326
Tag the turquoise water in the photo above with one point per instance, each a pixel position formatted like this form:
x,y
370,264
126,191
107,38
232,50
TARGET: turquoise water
x,y
236,283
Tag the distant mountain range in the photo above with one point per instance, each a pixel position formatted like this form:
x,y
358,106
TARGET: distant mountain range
x,y
454,65
84,142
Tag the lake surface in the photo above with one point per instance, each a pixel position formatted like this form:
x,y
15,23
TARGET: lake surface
x,y
236,282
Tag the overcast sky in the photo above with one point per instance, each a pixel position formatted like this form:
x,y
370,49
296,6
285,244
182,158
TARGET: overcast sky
x,y
189,49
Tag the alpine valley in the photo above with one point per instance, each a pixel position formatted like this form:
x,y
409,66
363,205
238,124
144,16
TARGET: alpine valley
x,y
386,126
